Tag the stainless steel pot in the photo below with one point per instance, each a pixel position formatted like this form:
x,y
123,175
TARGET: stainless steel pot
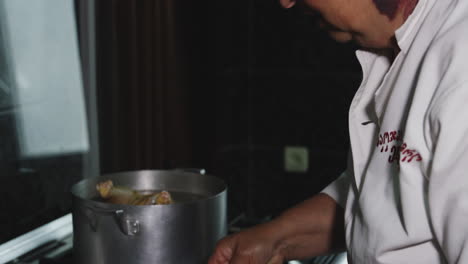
x,y
183,232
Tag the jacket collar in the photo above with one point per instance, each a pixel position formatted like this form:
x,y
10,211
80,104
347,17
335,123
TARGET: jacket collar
x,y
408,31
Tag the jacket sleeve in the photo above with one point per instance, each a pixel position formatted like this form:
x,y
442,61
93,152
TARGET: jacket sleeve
x,y
338,190
447,196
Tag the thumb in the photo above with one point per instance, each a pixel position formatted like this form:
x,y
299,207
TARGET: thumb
x,y
287,3
276,259
223,252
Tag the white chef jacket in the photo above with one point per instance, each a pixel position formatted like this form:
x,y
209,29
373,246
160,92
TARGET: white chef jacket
x,y
405,191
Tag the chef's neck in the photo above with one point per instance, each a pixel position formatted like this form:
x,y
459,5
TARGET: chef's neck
x,y
405,9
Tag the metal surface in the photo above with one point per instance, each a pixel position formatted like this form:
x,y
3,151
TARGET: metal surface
x,y
55,230
183,233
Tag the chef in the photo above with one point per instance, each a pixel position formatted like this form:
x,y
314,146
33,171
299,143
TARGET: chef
x,y
404,196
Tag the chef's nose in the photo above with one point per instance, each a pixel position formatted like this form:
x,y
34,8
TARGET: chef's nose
x,y
287,3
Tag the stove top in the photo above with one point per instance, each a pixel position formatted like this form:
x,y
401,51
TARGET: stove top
x,y
56,251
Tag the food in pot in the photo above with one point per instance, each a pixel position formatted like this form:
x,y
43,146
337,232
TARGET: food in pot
x,y
123,195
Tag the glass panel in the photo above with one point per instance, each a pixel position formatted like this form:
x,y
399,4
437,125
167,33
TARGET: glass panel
x,y
43,124
44,49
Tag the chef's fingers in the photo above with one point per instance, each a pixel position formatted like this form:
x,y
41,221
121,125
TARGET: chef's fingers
x,y
287,3
222,254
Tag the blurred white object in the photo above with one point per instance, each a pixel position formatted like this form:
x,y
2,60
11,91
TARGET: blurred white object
x,y
55,230
46,77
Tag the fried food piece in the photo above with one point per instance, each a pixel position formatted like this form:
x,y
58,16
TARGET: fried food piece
x,y
122,195
163,197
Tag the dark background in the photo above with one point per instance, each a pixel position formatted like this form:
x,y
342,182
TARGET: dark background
x,y
225,86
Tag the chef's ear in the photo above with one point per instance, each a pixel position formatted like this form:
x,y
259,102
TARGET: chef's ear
x,y
287,3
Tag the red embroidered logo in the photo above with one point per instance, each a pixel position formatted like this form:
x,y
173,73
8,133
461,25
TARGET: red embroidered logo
x,y
399,152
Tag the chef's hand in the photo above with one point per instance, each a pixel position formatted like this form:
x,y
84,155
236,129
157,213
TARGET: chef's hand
x,y
312,228
257,245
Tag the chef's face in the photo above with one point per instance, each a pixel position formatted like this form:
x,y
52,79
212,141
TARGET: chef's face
x,y
361,21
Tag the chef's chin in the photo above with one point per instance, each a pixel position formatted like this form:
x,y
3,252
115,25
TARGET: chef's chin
x,y
374,43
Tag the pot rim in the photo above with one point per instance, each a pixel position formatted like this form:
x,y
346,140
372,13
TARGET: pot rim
x,y
76,186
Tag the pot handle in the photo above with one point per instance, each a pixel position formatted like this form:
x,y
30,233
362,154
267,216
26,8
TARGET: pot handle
x,y
128,226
